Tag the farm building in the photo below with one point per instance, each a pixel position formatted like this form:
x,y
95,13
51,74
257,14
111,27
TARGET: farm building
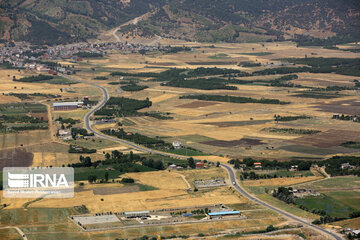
x,y
257,165
67,106
223,214
177,144
172,166
136,214
200,164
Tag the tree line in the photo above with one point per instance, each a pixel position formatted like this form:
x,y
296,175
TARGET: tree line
x,y
233,99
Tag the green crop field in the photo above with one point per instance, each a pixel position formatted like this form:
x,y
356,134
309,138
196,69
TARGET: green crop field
x,y
166,160
332,207
219,56
20,108
60,81
334,183
350,198
82,173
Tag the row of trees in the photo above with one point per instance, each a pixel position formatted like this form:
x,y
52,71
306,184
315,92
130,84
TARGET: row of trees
x,y
221,98
279,118
332,165
201,83
292,130
273,164
135,137
121,106
133,87
39,78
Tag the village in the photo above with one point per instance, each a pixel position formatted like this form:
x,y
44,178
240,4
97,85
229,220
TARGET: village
x,y
24,56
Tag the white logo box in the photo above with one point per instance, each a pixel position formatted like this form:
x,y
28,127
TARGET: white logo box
x,y
23,182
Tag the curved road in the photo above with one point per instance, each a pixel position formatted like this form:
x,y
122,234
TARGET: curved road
x,y
230,170
241,190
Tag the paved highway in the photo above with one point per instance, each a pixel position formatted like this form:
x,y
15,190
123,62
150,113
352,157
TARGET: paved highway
x,y
230,170
241,190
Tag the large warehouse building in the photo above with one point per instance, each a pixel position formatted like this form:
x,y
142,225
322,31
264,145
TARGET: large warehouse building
x,y
63,106
223,214
136,214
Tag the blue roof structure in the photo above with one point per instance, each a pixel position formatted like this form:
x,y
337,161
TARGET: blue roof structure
x,y
223,213
187,214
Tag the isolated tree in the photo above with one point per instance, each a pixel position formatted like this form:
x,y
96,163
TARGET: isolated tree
x,y
218,164
92,178
106,176
237,164
270,228
191,163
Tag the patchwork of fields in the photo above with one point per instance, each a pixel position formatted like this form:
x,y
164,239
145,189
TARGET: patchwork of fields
x,y
217,129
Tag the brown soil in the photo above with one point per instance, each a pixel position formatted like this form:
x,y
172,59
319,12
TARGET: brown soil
x,y
15,158
351,107
240,142
328,139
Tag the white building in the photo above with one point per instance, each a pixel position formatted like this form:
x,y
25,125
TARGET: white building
x,y
177,144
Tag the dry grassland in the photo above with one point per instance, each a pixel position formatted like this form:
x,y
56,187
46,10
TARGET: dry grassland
x,y
214,158
161,180
210,228
157,199
172,193
324,80
104,126
349,223
279,181
204,174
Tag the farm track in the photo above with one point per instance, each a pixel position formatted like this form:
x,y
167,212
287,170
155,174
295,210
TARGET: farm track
x,y
18,230
229,169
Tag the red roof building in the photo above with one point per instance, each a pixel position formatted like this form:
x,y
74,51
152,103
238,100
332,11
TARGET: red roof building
x,y
200,164
257,165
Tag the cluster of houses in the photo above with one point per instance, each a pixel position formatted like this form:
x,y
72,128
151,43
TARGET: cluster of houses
x,y
198,165
300,193
22,55
64,134
347,166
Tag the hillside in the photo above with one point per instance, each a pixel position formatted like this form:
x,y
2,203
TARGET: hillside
x,y
61,21
50,21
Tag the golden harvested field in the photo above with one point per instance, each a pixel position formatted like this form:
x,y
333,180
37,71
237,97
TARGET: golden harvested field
x,y
171,192
279,181
229,121
349,223
156,199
